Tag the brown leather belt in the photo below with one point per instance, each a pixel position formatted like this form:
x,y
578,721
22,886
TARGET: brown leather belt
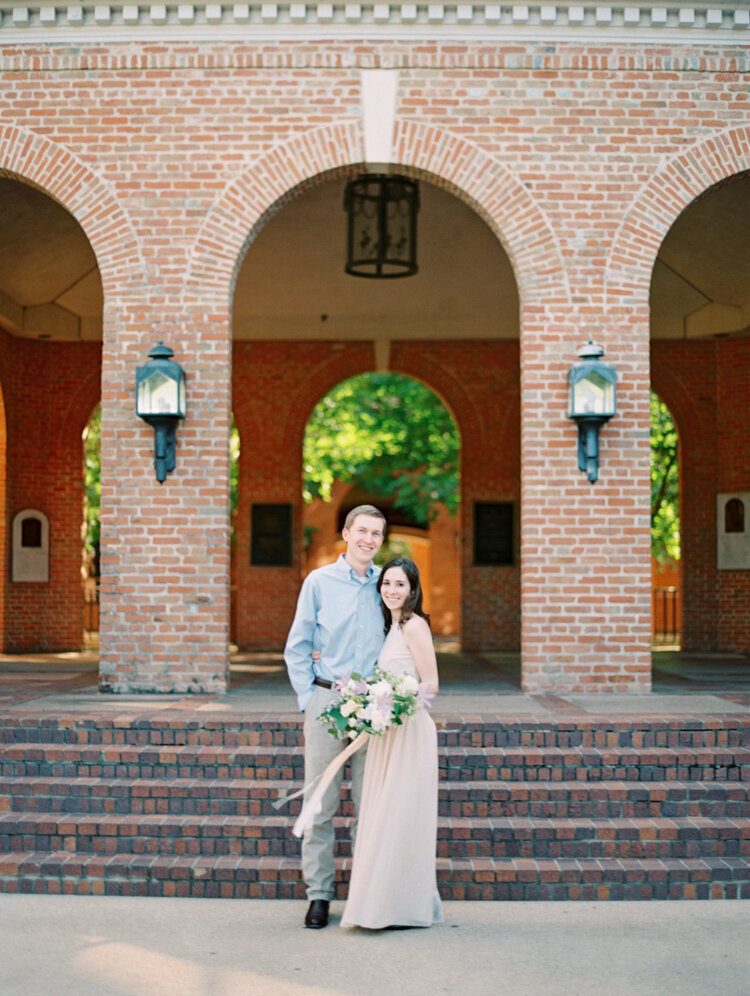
x,y
322,682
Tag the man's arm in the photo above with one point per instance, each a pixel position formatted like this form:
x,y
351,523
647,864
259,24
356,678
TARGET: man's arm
x,y
300,642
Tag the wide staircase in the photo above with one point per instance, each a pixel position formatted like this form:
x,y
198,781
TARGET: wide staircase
x,y
179,804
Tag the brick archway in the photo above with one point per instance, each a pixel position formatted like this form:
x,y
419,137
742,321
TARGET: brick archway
x,y
68,376
680,373
489,189
670,190
42,163
444,159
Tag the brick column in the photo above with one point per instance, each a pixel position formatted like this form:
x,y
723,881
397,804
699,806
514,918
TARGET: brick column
x,y
585,549
165,548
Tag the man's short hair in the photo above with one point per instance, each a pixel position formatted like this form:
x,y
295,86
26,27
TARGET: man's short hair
x,y
363,510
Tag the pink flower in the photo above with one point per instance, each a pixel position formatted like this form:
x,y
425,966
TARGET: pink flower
x,y
425,696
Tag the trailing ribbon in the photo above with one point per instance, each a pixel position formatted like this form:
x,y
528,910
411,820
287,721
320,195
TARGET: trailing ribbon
x,y
314,804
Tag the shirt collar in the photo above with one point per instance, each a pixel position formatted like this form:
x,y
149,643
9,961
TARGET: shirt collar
x,y
343,565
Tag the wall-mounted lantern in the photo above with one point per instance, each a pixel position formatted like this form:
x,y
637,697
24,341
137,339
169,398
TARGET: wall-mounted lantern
x,y
381,226
591,402
160,401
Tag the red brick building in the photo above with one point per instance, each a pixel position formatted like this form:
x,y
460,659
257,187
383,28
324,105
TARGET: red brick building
x,y
175,172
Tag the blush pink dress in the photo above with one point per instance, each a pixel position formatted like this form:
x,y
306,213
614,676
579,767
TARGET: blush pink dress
x,y
393,880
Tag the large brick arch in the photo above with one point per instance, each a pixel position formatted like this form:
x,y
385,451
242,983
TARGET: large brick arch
x,y
669,191
508,209
679,400
332,371
33,159
445,159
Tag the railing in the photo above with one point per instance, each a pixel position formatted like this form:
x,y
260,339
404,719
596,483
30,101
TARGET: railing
x,y
90,606
666,615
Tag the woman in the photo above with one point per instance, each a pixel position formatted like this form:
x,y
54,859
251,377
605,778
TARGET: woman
x,y
393,881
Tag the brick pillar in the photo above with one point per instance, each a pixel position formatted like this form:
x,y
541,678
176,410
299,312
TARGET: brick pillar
x,y
585,549
164,624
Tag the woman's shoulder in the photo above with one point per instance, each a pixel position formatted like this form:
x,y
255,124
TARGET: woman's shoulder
x,y
415,625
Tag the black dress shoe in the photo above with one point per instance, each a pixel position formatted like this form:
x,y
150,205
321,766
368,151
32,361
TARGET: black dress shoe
x,y
317,914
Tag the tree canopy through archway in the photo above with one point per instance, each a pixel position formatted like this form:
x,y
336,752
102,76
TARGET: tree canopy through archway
x,y
391,436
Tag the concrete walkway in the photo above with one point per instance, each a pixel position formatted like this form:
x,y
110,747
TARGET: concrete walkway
x,y
97,946
487,683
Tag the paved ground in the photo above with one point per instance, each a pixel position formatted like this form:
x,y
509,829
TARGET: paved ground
x,y
470,683
95,946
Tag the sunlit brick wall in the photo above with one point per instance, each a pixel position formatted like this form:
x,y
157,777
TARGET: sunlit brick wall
x,y
578,158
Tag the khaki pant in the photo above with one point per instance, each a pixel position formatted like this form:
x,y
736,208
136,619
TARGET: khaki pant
x,y
320,749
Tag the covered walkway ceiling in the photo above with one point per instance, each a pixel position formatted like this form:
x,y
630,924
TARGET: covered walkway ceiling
x,y
292,284
50,287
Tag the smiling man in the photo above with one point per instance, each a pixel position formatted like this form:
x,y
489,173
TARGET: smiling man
x,y
338,615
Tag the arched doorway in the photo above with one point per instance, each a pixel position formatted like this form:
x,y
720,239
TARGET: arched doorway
x,y
51,303
301,325
700,320
388,440
666,580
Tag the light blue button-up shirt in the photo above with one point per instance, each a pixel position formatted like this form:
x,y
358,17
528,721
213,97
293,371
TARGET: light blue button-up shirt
x,y
339,614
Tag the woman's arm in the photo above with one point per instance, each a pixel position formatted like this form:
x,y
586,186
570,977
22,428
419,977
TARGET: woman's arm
x,y
418,640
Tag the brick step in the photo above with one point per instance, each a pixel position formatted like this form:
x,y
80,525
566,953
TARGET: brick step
x,y
248,798
453,731
279,877
543,838
455,763
457,838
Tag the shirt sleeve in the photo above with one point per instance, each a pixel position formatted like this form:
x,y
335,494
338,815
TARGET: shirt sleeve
x,y
299,643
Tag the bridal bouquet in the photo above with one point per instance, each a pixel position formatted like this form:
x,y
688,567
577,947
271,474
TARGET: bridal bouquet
x,y
373,705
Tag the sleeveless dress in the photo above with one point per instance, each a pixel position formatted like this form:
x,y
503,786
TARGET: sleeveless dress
x,y
393,880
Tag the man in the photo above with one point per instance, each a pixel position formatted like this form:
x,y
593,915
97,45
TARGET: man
x,y
339,615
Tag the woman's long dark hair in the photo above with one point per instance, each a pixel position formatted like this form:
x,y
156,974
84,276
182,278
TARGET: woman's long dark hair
x,y
413,604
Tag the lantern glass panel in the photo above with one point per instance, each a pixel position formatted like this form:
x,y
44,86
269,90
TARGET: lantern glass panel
x,y
159,394
382,229
593,394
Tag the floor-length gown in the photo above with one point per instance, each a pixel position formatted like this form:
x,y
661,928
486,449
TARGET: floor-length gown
x,y
393,880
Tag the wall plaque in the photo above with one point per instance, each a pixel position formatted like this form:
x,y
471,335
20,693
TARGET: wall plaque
x,y
733,531
271,535
493,533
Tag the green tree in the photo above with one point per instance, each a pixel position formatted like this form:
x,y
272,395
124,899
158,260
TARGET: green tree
x,y
665,481
389,434
92,444
234,472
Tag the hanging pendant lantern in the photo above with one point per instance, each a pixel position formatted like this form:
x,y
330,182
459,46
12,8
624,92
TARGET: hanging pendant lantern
x,y
382,226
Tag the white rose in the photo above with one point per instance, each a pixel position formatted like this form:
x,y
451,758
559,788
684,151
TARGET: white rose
x,y
380,688
379,722
349,707
409,684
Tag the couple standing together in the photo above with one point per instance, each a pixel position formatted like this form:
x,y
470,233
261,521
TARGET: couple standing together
x,y
350,616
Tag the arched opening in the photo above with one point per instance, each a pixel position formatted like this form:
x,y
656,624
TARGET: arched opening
x,y
666,583
51,304
700,329
388,440
3,510
302,326
90,528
